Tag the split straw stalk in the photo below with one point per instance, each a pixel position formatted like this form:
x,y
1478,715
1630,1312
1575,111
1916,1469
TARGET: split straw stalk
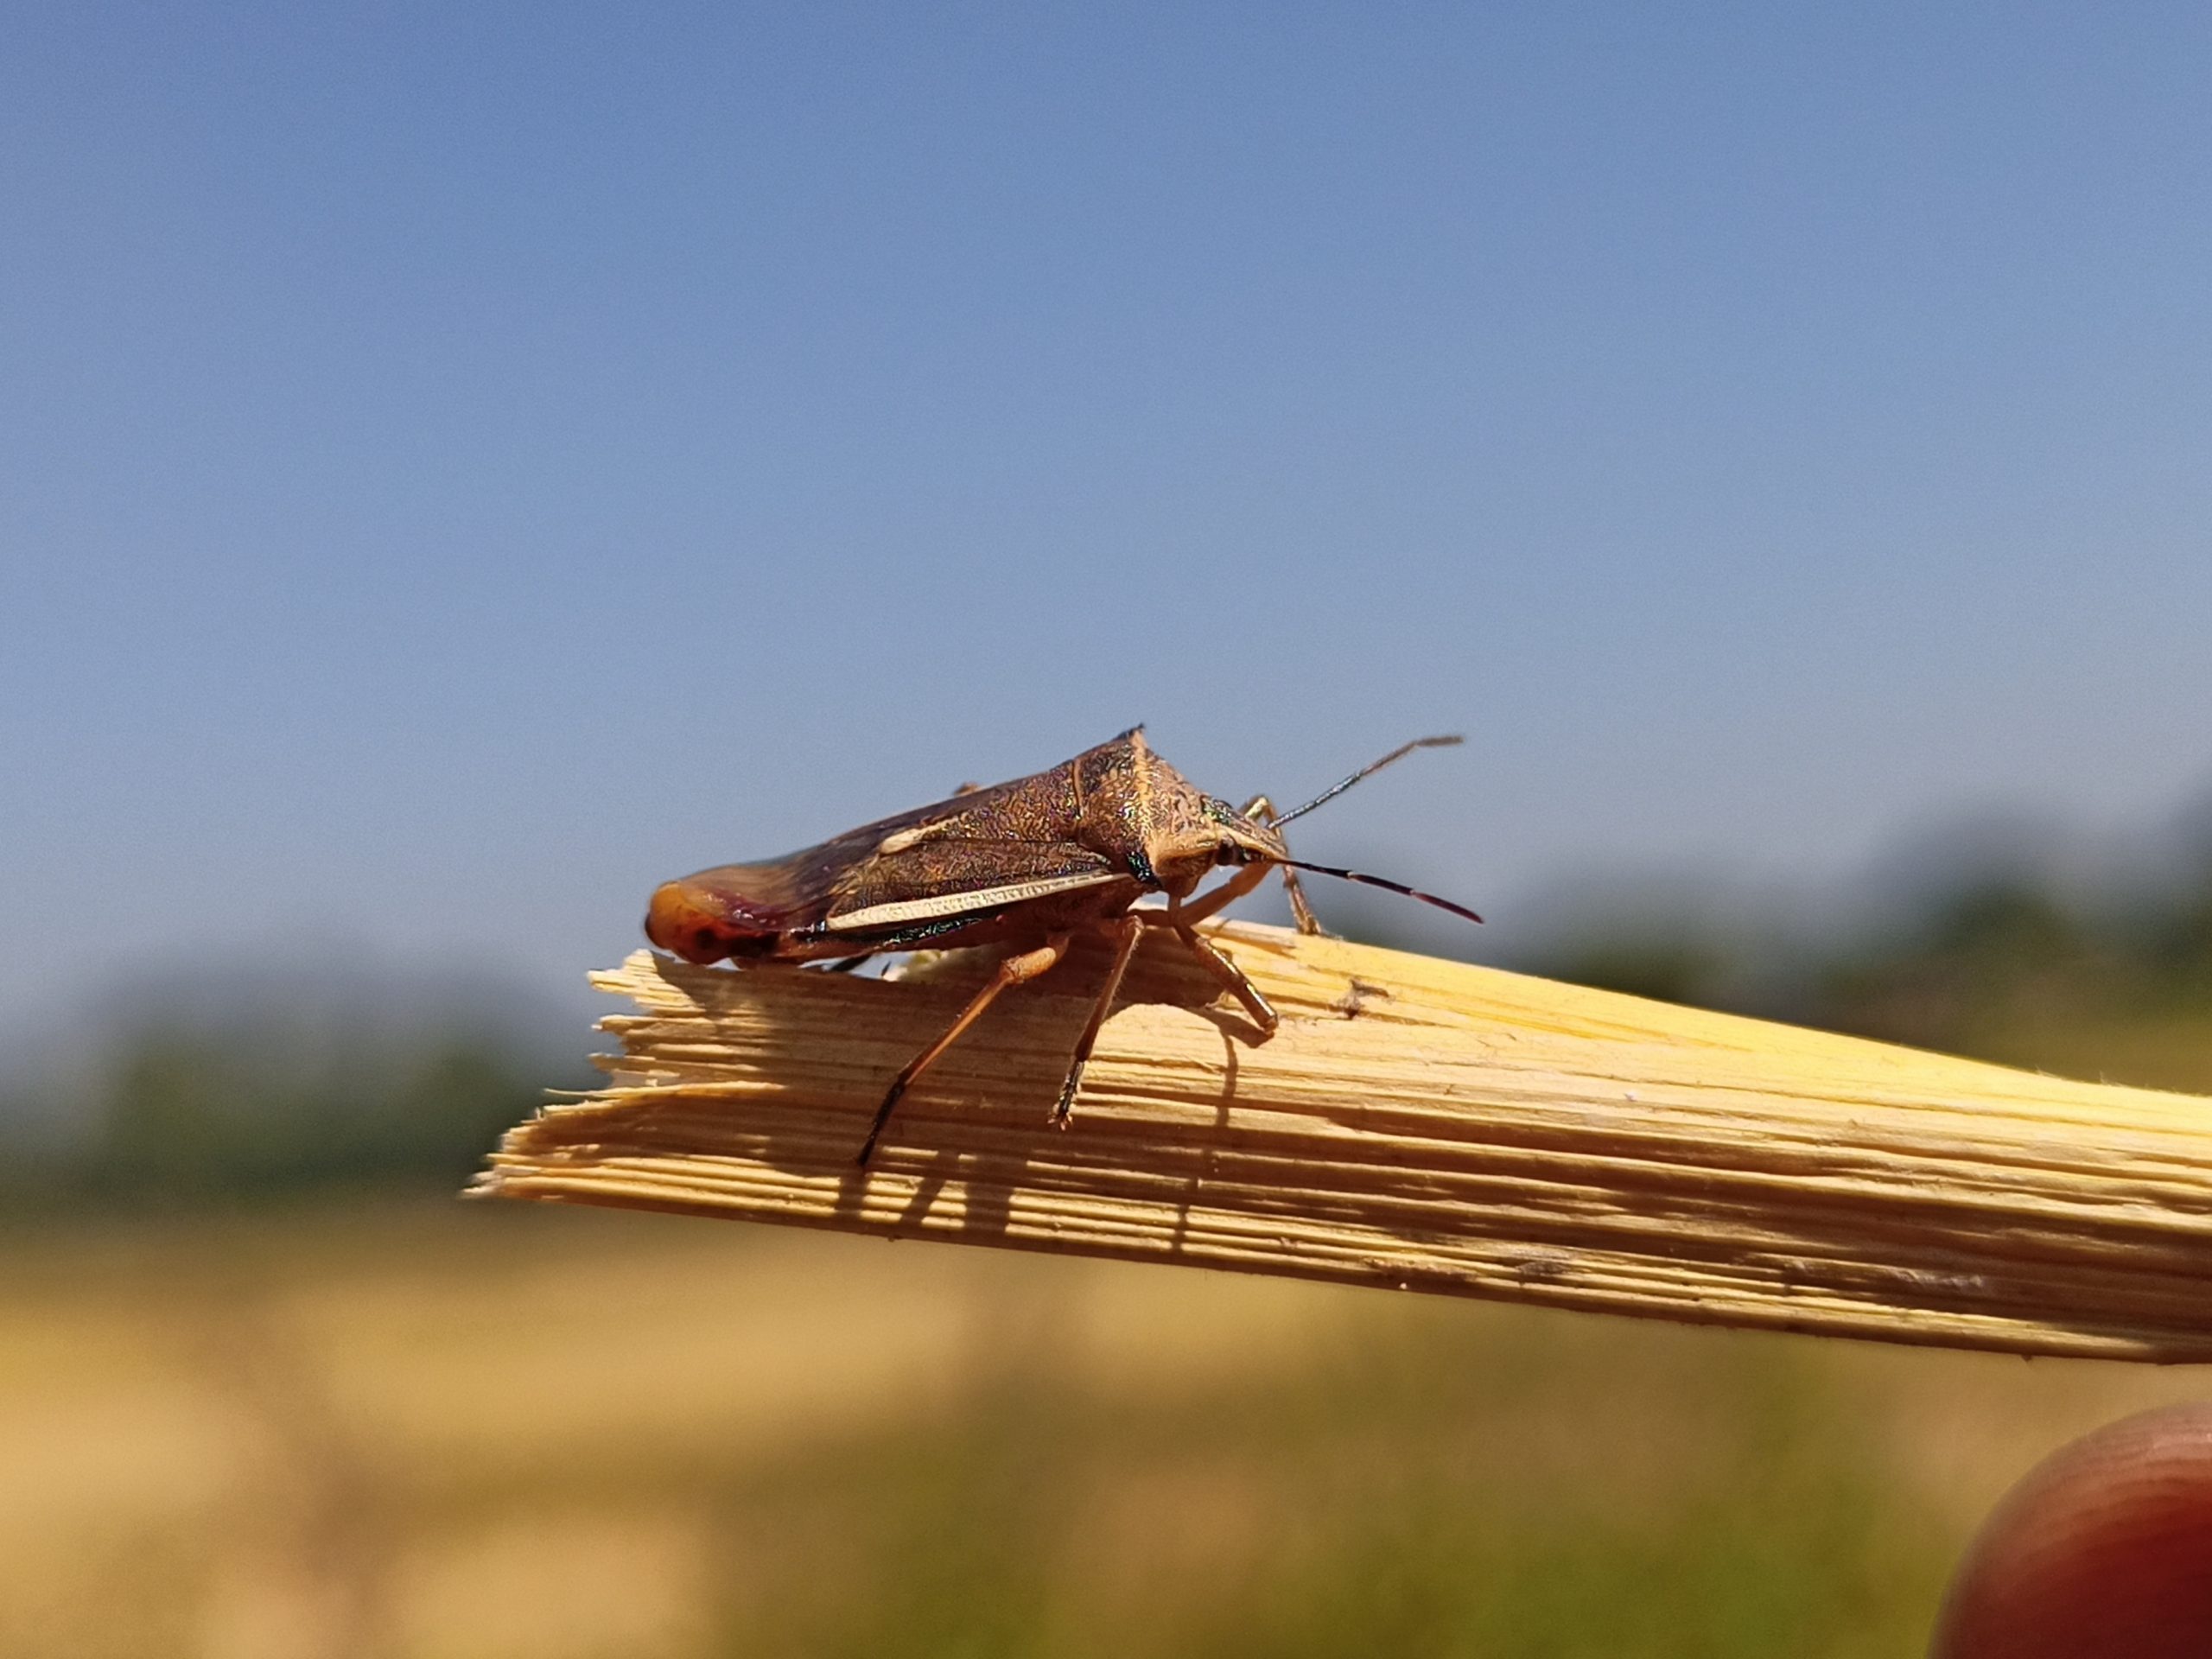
x,y
1420,1124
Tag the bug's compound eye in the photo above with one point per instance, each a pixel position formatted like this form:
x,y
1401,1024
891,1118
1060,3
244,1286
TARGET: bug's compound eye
x,y
1238,848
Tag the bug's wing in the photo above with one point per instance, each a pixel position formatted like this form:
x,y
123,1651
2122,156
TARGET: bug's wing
x,y
1044,808
957,875
1017,836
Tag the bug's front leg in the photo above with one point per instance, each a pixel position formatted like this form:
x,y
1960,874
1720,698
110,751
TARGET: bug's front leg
x,y
1230,976
1015,970
1262,808
1223,896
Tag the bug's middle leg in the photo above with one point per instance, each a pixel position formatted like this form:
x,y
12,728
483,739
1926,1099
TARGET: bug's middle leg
x,y
1015,970
1127,932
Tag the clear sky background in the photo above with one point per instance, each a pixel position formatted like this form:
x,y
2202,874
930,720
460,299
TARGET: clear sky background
x,y
461,465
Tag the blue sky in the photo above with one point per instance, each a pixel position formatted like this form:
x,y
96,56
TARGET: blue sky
x,y
459,466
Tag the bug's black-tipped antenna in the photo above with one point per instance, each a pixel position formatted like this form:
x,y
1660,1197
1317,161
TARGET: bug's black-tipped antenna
x,y
1381,881
1335,790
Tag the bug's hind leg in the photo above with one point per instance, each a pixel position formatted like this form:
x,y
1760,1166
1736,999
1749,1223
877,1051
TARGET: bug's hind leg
x,y
1015,970
1127,932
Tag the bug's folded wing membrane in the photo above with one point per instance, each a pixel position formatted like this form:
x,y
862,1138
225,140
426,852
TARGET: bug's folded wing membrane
x,y
778,894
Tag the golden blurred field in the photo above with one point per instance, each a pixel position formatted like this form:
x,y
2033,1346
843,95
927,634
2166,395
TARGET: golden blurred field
x,y
453,1432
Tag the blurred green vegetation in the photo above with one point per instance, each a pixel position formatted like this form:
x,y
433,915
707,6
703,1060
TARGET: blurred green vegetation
x,y
2007,953
2004,968
1423,1496
174,1112
186,1117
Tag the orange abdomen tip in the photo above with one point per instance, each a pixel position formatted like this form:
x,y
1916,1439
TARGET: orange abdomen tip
x,y
685,920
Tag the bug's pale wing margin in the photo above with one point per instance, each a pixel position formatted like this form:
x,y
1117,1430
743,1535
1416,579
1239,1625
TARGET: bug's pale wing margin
x,y
974,902
940,877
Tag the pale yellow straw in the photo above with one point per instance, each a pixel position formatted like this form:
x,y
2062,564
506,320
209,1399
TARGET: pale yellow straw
x,y
1415,1124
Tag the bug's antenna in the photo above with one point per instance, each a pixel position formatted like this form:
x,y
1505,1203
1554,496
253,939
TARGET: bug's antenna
x,y
1378,880
1335,790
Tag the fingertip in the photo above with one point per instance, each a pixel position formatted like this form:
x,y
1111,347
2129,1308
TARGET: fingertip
x,y
2105,1547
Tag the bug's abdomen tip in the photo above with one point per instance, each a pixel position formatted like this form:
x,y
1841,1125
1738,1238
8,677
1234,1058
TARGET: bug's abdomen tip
x,y
685,920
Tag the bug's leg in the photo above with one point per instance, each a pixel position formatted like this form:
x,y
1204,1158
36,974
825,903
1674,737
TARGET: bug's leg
x,y
1127,932
1230,975
1227,893
1264,810
1015,970
846,964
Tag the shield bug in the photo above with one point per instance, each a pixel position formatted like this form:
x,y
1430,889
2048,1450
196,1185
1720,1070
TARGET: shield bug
x,y
1026,865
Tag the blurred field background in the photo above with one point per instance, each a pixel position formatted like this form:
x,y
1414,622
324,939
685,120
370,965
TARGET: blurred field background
x,y
461,466
265,1390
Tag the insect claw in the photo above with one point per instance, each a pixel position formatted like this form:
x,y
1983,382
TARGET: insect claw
x,y
1064,1108
882,1120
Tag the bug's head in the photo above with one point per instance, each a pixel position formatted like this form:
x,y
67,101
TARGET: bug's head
x,y
1187,838
1238,839
1181,832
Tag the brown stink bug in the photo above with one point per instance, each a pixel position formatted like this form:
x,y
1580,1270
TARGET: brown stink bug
x,y
1027,865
